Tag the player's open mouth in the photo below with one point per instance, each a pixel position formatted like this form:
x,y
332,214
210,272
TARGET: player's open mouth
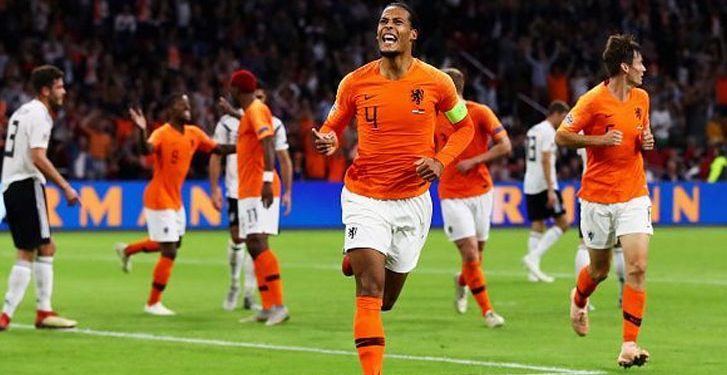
x,y
389,39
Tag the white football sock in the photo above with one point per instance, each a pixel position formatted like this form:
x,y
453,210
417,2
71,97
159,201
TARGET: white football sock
x,y
582,258
17,284
44,282
250,278
549,238
235,255
533,241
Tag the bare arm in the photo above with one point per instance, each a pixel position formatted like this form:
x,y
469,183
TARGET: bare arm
x,y
214,176
502,147
224,150
269,160
286,170
40,160
137,116
564,138
546,170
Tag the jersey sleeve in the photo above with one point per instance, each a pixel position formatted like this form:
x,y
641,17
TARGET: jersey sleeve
x,y
493,126
206,144
155,138
343,109
281,138
261,120
578,118
546,141
454,109
220,134
39,132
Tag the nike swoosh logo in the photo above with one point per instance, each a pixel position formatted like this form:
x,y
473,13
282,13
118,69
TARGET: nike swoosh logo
x,y
611,115
367,97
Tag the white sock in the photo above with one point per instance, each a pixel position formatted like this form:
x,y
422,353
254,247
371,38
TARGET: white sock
x,y
619,267
549,238
582,258
533,241
17,284
44,282
235,255
250,278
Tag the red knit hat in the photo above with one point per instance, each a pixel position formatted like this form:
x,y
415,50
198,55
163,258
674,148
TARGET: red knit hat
x,y
244,80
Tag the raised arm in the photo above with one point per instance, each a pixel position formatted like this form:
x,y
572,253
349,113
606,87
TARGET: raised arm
x,y
137,117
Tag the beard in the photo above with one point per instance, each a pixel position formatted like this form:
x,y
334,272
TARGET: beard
x,y
389,53
55,104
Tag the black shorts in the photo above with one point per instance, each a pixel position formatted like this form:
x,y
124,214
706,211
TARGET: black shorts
x,y
538,206
232,216
27,214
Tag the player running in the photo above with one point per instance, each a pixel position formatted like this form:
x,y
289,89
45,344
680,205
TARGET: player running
x,y
465,190
25,169
542,194
386,205
172,146
615,205
238,257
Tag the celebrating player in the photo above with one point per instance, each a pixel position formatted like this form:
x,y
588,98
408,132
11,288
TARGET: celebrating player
x,y
386,205
172,146
25,169
615,205
239,260
465,190
541,191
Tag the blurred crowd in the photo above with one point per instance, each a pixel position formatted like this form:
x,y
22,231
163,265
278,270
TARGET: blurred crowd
x,y
518,56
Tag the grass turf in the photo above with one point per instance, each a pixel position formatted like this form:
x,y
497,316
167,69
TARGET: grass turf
x,y
683,327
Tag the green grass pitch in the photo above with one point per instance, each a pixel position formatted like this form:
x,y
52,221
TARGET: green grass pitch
x,y
684,325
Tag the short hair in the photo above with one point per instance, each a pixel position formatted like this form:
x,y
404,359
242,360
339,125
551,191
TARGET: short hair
x,y
44,76
172,98
457,77
558,106
620,48
413,18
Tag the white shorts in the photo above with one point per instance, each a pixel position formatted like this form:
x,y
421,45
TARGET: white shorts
x,y
165,225
397,228
256,219
602,224
467,217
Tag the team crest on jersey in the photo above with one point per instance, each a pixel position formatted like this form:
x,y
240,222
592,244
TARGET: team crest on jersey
x,y
637,112
352,232
417,95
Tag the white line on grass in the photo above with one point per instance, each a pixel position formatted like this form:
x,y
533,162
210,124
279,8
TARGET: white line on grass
x,y
543,370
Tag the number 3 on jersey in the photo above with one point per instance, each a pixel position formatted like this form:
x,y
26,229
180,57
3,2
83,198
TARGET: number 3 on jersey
x,y
531,148
10,141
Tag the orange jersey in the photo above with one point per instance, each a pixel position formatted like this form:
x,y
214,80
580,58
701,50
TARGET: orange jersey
x,y
395,120
614,174
255,125
173,151
477,181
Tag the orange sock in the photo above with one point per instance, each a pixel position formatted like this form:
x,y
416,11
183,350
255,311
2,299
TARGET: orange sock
x,y
368,334
267,271
162,271
584,287
461,280
146,245
633,310
477,284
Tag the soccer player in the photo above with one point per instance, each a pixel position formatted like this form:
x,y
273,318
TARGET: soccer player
x,y
25,169
258,203
386,205
542,195
615,205
465,190
582,258
239,260
172,146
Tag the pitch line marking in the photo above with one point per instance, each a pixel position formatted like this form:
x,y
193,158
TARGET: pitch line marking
x,y
543,370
